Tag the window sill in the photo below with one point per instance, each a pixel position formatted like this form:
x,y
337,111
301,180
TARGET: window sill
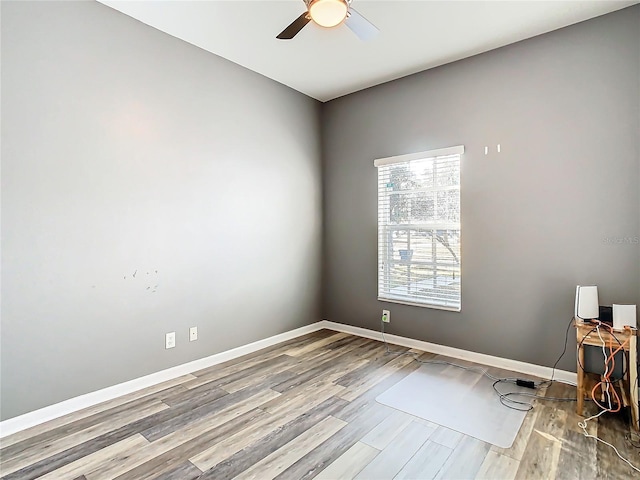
x,y
422,305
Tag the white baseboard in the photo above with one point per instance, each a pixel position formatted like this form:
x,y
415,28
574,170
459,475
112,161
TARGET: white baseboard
x,y
22,422
489,360
30,419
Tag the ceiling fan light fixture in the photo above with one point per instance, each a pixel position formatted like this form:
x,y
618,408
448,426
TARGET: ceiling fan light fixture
x,y
328,13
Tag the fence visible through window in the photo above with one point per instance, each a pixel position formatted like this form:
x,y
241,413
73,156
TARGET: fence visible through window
x,y
419,229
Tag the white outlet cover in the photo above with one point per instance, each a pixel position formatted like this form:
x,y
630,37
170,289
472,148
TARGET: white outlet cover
x,y
193,334
170,340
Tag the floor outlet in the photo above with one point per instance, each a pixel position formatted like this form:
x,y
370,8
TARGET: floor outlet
x,y
386,316
193,334
170,340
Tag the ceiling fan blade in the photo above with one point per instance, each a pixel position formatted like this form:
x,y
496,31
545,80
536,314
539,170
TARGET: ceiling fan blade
x,y
363,28
295,27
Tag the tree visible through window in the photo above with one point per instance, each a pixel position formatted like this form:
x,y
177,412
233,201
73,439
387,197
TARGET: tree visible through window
x,y
419,229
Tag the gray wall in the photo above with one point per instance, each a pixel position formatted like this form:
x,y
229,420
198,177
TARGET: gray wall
x,y
123,150
565,108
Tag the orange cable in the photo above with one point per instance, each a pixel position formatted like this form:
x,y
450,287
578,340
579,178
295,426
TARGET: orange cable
x,y
610,359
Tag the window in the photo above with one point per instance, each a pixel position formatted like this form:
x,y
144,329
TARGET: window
x,y
419,228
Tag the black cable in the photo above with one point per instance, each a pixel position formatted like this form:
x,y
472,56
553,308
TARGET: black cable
x,y
503,397
624,372
631,442
580,346
605,384
564,350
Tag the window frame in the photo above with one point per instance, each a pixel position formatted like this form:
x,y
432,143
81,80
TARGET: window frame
x,y
383,259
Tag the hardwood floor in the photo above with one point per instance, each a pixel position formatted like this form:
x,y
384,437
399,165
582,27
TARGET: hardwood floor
x,y
300,410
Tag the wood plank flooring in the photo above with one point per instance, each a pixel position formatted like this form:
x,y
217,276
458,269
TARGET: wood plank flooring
x,y
299,410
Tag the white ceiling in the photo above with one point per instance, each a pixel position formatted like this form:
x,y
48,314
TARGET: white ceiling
x,y
328,63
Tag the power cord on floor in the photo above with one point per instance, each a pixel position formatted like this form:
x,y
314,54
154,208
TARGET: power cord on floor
x,y
505,398
632,442
526,406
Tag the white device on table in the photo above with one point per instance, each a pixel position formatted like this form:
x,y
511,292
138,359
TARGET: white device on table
x,y
624,316
587,302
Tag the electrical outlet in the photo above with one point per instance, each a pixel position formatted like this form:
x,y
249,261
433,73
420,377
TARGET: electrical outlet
x,y
193,334
170,340
386,316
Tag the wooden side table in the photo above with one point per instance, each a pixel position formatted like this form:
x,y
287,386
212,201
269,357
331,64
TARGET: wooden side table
x,y
587,335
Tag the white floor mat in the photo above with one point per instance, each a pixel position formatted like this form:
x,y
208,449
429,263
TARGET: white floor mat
x,y
457,399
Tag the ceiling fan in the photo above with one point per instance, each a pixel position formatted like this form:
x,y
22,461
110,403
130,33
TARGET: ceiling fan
x,y
331,13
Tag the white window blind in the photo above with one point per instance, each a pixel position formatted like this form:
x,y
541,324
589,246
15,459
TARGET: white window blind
x,y
419,228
